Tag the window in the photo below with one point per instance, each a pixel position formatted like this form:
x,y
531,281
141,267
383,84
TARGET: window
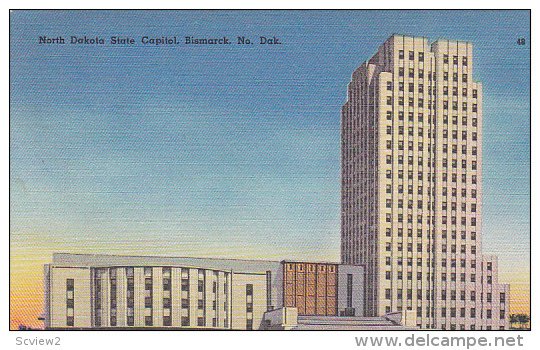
x,y
411,55
70,284
185,285
200,286
70,302
249,303
350,289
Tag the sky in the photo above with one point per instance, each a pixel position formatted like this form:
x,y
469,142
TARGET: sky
x,y
231,150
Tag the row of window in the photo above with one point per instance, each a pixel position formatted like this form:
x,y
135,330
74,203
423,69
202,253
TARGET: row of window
x,y
420,219
401,73
420,89
148,296
420,161
420,75
310,267
454,149
474,120
472,296
420,190
420,132
444,235
446,57
420,104
453,296
409,262
420,148
462,327
472,313
420,205
444,248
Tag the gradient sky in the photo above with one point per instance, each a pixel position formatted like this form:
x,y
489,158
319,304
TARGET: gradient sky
x,y
224,150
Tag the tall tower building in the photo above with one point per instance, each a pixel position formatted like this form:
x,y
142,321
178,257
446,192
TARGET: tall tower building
x,y
411,143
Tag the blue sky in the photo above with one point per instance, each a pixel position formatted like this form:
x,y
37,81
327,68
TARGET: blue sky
x,y
229,151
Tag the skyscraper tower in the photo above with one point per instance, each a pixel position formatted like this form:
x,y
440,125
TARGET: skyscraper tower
x,y
411,201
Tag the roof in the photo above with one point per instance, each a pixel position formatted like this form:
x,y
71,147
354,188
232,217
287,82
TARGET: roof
x,y
104,260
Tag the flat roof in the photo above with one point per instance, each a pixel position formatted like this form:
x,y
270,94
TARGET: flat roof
x,y
103,260
237,265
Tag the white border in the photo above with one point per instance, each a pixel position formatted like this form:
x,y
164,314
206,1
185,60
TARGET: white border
x,y
237,340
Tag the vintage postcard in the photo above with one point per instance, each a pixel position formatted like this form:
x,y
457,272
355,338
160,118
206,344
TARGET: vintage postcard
x,y
270,170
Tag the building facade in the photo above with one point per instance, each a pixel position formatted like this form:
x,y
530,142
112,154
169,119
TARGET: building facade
x,y
411,133
323,289
106,291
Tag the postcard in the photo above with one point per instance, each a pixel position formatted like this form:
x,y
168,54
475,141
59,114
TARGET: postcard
x,y
270,170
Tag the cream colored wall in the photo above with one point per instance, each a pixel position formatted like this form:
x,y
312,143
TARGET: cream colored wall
x,y
82,306
391,75
239,282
